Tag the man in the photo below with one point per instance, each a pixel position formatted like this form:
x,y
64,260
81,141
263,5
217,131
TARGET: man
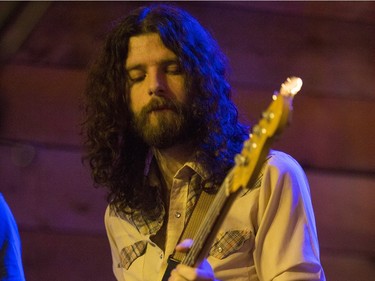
x,y
160,129
11,268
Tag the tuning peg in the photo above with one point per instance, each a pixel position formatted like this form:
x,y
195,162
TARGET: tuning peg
x,y
256,130
268,116
240,160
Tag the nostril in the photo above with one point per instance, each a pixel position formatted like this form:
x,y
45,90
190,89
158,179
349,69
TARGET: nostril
x,y
156,91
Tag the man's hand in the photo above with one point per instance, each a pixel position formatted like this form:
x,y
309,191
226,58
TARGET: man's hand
x,y
183,272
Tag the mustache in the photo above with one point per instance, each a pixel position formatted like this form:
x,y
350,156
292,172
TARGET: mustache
x,y
159,104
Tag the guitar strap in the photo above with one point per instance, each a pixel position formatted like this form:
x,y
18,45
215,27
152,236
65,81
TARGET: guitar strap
x,y
199,212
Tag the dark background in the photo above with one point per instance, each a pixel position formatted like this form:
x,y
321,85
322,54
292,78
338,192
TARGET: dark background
x,y
45,49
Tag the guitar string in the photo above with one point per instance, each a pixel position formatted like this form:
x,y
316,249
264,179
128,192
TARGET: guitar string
x,y
209,219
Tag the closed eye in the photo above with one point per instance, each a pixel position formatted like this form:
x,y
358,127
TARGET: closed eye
x,y
173,68
136,75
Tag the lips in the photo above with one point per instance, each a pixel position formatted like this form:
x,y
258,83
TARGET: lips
x,y
160,104
161,108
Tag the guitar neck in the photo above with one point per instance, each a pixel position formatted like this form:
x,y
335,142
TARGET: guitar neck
x,y
205,234
224,198
247,167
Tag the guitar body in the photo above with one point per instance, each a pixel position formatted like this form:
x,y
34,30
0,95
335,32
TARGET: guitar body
x,y
244,174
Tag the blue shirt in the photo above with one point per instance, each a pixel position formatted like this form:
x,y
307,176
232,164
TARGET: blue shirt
x,y
10,246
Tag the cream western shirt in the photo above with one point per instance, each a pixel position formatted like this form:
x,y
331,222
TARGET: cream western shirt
x,y
269,232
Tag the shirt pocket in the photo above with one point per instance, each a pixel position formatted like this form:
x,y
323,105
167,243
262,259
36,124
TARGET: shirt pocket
x,y
227,243
130,253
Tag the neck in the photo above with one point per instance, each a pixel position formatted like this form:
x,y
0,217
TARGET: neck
x,y
170,160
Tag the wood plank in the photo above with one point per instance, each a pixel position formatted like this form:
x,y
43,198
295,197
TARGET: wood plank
x,y
41,104
328,133
66,256
335,57
347,266
70,33
52,190
354,11
344,209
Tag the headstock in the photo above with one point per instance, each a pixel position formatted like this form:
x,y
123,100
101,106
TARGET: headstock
x,y
272,123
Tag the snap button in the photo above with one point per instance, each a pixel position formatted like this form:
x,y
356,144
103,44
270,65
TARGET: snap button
x,y
178,215
219,249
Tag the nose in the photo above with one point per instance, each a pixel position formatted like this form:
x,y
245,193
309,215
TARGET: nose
x,y
156,83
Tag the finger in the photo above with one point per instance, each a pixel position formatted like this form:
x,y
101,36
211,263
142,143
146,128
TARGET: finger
x,y
186,272
185,245
191,273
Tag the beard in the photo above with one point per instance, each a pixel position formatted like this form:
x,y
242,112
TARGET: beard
x,y
163,123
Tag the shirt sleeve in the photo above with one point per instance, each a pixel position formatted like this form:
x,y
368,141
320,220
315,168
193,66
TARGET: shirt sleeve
x,y
11,268
286,243
117,271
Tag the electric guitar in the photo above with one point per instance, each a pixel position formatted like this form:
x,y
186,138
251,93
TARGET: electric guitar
x,y
244,173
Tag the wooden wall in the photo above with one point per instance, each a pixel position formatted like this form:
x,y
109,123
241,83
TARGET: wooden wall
x,y
45,49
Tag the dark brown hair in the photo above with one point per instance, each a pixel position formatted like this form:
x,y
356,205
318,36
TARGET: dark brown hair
x,y
115,154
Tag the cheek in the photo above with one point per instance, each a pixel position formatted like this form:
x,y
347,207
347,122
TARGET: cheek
x,y
136,101
178,87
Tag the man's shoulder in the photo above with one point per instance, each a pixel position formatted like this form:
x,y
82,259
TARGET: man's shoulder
x,y
115,221
280,167
282,161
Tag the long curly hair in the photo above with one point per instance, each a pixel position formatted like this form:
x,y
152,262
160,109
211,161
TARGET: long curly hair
x,y
114,152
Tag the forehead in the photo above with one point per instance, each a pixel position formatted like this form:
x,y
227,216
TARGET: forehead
x,y
147,49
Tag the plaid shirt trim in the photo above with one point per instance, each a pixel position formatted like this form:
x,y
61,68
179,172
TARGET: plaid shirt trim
x,y
193,194
130,253
143,224
228,243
